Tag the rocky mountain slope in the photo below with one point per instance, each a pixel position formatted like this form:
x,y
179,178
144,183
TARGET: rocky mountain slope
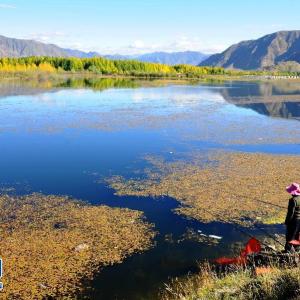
x,y
10,47
265,52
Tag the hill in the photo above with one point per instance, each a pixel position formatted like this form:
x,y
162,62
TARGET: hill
x,y
265,52
10,47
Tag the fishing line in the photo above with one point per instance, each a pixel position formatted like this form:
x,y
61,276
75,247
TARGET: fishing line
x,y
236,227
263,230
265,202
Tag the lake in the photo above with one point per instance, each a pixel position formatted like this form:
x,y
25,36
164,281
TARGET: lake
x,y
67,138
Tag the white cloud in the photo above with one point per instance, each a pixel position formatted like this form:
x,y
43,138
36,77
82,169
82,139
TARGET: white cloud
x,y
138,46
59,38
46,37
179,44
184,43
9,6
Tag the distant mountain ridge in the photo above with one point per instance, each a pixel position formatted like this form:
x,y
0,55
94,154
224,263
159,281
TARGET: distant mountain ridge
x,y
11,47
168,58
265,52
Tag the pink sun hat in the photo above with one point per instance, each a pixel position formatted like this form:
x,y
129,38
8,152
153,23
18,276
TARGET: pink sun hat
x,y
294,189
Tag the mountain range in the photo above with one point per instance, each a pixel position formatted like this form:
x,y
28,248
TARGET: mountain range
x,y
169,58
263,53
10,47
279,50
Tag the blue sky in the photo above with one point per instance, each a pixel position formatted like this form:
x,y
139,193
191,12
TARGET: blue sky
x,y
137,26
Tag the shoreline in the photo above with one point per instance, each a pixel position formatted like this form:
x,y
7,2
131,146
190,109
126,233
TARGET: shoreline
x,y
40,75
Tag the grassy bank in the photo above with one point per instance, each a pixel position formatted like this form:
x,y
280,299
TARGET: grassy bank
x,y
241,284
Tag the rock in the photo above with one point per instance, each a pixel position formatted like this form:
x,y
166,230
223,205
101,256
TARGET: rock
x,y
82,247
41,285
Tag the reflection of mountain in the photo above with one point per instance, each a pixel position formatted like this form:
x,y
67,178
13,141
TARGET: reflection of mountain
x,y
275,99
263,91
287,110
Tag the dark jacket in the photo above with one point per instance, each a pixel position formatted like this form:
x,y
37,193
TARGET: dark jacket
x,y
293,213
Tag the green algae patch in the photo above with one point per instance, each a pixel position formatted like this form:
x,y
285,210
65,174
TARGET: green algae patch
x,y
51,244
229,187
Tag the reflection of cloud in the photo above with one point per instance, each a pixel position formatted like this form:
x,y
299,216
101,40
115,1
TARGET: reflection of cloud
x,y
44,98
181,97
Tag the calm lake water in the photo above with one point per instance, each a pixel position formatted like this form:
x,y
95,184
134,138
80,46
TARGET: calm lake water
x,y
66,138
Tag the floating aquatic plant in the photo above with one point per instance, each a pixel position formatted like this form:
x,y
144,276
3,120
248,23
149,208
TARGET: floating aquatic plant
x,y
50,244
232,187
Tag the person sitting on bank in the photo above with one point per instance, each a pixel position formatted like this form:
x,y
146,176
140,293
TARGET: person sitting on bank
x,y
292,220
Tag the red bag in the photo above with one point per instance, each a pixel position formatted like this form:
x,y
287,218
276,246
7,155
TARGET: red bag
x,y
253,246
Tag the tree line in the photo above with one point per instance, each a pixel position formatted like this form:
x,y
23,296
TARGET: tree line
x,y
104,66
100,65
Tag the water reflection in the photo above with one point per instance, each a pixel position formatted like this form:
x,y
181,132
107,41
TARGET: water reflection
x,y
17,87
98,84
261,90
279,99
204,111
287,110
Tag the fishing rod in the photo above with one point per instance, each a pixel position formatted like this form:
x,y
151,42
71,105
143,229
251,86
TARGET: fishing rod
x,y
268,234
241,230
254,224
244,232
263,230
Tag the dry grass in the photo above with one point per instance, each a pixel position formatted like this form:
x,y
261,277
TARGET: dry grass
x,y
229,187
241,284
50,244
